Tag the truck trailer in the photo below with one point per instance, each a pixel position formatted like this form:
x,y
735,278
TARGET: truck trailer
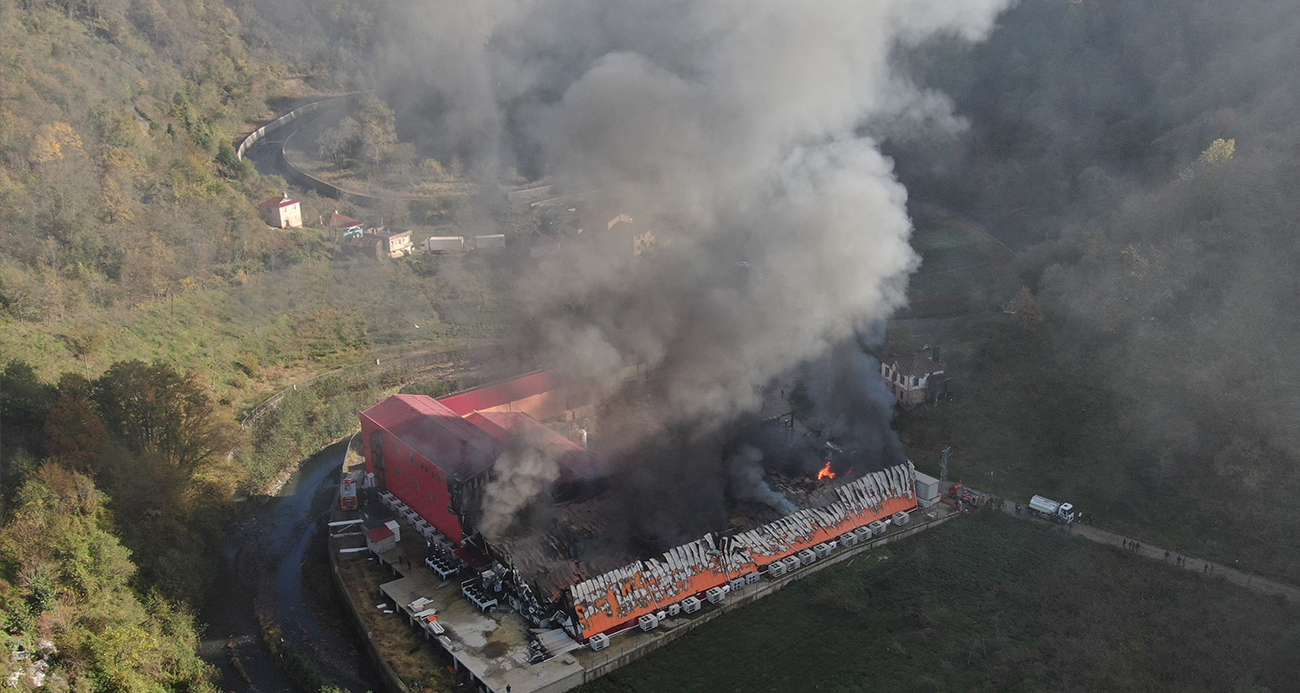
x,y
444,244
1049,509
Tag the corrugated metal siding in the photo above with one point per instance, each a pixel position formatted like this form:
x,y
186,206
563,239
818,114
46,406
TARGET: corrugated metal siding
x,y
610,600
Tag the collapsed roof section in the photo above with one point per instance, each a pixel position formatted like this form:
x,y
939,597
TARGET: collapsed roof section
x,y
610,600
574,545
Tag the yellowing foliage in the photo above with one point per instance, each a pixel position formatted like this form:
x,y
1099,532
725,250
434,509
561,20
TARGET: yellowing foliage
x,y
51,140
1220,151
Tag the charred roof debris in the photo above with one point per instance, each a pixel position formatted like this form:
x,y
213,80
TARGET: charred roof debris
x,y
575,538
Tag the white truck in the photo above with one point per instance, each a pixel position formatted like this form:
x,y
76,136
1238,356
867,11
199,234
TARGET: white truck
x,y
1049,509
444,244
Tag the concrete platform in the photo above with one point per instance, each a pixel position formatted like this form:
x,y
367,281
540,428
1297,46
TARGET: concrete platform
x,y
492,647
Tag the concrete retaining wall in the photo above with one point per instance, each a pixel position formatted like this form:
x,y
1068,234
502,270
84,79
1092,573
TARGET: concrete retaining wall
x,y
386,673
315,107
294,174
305,180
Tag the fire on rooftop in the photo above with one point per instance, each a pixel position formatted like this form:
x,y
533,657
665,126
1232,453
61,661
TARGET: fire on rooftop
x,y
436,461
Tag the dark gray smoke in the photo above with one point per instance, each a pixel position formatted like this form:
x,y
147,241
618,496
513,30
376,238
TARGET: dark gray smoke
x,y
736,122
1143,155
856,406
745,474
733,129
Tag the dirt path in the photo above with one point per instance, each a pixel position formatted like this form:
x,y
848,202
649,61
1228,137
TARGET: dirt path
x,y
1250,581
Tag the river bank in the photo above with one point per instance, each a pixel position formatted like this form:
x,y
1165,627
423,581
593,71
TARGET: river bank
x,y
274,574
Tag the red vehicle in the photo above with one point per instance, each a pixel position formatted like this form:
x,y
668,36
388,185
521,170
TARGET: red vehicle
x,y
959,492
348,493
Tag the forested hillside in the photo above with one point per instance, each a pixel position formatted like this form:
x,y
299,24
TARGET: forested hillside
x,y
119,180
143,304
1142,156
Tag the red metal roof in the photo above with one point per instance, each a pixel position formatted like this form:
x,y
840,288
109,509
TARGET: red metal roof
x,y
436,433
497,394
282,201
341,221
578,462
378,534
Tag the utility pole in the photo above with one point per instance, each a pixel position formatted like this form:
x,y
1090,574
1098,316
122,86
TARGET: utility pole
x,y
943,464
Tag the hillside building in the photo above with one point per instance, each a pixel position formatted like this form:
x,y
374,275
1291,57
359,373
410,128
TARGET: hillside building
x,y
435,455
350,227
433,462
912,378
281,212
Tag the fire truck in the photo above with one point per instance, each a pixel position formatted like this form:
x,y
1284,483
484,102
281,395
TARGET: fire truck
x,y
959,492
348,493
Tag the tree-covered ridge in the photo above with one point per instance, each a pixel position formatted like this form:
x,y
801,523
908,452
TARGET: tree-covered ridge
x,y
69,606
118,181
1143,156
151,438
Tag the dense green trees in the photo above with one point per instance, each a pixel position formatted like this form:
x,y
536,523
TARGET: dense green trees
x,y
152,439
139,453
159,413
68,601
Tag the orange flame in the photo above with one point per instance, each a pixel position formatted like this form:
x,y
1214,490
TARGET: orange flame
x,y
826,472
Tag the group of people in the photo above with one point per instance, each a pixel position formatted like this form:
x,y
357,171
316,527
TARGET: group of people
x,y
1179,559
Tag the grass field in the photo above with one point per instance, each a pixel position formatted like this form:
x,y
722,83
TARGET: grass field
x,y
1021,425
958,263
250,340
986,603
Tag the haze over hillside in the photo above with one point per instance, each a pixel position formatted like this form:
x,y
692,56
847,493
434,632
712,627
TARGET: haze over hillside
x,y
1138,157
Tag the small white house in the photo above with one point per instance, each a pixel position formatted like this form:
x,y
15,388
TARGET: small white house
x,y
281,212
381,540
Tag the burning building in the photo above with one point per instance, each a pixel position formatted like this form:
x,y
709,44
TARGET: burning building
x,y
472,463
434,454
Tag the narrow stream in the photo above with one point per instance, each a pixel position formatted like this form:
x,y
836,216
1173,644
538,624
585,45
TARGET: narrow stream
x,y
274,562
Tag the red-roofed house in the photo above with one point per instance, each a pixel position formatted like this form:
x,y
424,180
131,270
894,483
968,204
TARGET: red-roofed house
x,y
342,221
281,212
615,232
381,539
429,457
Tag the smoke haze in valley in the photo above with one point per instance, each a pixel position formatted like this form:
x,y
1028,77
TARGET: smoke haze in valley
x,y
738,121
1143,157
736,126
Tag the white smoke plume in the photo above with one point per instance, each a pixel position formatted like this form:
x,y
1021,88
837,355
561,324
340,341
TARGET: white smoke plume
x,y
520,476
741,121
747,483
